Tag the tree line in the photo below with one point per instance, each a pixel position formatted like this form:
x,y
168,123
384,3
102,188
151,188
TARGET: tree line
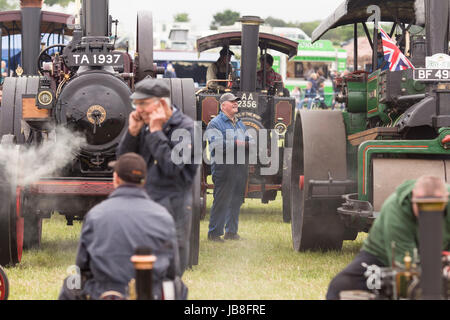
x,y
229,17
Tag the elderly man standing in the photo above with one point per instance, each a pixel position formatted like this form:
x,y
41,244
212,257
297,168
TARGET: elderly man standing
x,y
149,134
229,178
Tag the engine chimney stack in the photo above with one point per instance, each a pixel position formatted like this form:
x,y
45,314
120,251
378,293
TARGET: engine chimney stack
x,y
250,39
31,34
437,26
95,18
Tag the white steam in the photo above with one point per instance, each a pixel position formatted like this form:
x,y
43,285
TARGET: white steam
x,y
25,165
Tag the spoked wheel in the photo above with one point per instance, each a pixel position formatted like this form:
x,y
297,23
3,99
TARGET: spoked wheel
x,y
319,151
286,184
144,45
11,222
4,285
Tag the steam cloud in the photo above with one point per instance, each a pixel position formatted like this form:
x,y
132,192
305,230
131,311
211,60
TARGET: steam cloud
x,y
27,164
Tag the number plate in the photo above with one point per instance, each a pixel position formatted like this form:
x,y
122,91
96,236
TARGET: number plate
x,y
432,75
249,101
95,59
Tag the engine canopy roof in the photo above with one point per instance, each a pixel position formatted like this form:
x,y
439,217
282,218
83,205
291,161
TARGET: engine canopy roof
x,y
234,38
355,11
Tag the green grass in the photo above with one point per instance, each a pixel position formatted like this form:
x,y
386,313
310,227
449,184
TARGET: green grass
x,y
261,266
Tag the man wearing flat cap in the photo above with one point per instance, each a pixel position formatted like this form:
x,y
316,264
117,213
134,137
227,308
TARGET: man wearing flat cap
x,y
149,134
229,175
220,70
111,232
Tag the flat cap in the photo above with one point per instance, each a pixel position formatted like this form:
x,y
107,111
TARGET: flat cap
x,y
130,167
150,88
228,97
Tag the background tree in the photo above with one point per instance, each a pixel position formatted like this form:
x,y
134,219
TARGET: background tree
x,y
275,22
8,5
225,18
62,3
181,17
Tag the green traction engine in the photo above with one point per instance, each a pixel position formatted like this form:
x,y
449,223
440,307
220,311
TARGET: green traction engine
x,y
395,126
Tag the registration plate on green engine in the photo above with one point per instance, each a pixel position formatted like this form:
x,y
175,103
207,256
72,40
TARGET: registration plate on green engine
x,y
432,75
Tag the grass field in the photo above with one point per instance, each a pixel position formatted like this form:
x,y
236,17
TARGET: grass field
x,y
261,266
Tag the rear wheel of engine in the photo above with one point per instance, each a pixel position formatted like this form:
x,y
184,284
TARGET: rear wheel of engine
x,y
319,151
286,184
4,285
11,222
144,45
183,97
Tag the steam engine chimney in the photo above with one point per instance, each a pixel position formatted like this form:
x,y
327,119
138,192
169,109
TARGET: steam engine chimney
x,y
437,25
31,34
250,39
95,18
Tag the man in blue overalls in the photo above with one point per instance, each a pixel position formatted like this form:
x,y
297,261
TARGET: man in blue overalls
x,y
229,178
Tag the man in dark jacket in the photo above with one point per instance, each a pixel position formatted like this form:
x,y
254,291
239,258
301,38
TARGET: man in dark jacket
x,y
112,231
396,223
149,134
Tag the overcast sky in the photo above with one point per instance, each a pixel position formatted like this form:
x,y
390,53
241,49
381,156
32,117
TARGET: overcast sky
x,y
201,12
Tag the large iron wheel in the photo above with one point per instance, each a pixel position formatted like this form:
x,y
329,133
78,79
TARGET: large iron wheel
x,y
11,222
319,151
286,184
4,285
204,193
144,45
183,97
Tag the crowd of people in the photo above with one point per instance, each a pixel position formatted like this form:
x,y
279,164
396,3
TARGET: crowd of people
x,y
313,96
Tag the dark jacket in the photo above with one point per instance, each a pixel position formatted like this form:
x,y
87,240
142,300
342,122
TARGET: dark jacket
x,y
164,177
111,232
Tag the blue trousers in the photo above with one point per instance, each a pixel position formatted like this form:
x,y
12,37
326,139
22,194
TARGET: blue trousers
x,y
229,188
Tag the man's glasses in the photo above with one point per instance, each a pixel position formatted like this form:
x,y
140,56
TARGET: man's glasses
x,y
144,103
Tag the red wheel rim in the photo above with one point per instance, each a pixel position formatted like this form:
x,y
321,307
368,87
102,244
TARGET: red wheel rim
x,y
2,286
301,182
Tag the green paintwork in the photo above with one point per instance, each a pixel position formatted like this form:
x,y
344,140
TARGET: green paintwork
x,y
393,147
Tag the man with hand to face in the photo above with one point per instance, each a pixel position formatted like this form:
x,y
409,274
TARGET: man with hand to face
x,y
150,130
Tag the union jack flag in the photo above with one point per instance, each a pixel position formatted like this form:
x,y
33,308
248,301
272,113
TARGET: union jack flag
x,y
393,55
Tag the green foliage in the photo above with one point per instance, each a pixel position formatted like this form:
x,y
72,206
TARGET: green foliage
x,y
274,22
62,3
225,18
337,35
181,17
8,5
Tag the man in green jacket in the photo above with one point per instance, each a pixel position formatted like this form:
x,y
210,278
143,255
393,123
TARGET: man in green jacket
x,y
396,223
